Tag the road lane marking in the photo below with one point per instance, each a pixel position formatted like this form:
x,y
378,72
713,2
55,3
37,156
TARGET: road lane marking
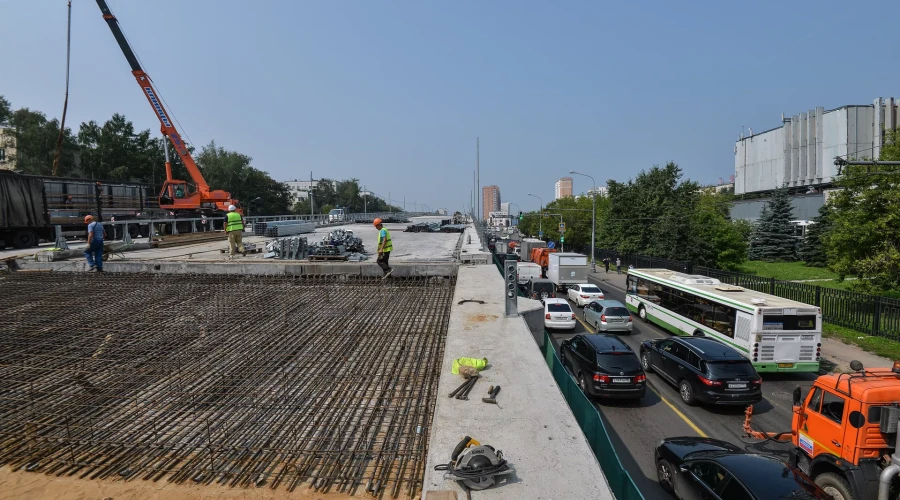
x,y
688,421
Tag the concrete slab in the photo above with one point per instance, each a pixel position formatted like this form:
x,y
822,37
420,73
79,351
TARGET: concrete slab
x,y
532,424
471,249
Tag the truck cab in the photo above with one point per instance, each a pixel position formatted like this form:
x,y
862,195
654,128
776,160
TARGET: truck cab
x,y
336,215
844,431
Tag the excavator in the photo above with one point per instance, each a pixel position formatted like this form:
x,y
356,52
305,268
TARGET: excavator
x,y
178,196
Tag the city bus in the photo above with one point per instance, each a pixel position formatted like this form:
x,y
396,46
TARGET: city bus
x,y
776,334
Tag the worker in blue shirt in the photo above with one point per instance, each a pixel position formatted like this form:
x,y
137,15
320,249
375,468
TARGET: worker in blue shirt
x,y
94,251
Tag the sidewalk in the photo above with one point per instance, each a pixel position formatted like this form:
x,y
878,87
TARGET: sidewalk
x,y
836,355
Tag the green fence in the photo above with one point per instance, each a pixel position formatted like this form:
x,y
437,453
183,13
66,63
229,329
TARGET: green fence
x,y
591,424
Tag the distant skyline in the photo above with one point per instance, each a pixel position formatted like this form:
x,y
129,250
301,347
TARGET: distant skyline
x,y
395,92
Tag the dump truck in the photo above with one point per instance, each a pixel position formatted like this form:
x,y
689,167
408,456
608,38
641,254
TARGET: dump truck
x,y
844,433
566,269
529,244
541,257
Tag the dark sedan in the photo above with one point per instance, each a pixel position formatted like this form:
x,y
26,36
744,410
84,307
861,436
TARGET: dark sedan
x,y
702,468
703,370
604,366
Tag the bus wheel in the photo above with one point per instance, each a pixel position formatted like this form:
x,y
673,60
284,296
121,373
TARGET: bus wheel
x,y
642,312
698,333
25,239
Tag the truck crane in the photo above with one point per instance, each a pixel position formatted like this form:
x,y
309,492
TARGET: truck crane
x,y
178,196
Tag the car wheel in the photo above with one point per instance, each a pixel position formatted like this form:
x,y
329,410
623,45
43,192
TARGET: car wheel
x,y
834,485
642,313
686,392
581,384
664,475
645,362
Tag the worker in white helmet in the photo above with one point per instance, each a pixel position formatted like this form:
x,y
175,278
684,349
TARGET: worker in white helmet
x,y
234,228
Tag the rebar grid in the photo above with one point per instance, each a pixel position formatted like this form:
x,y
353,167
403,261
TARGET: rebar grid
x,y
240,380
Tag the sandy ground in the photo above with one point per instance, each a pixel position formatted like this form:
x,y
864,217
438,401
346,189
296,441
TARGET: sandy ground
x,y
35,486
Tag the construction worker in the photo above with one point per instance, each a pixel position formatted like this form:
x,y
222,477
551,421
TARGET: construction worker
x,y
94,251
234,228
384,248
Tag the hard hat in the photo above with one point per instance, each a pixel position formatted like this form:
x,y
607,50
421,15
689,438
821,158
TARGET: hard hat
x,y
232,208
88,218
376,222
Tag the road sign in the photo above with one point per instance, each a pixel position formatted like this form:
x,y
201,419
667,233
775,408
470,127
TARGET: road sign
x,y
540,234
551,245
562,227
546,215
562,239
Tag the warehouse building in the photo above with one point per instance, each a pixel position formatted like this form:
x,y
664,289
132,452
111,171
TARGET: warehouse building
x,y
800,154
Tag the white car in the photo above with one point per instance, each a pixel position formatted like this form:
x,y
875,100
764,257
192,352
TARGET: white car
x,y
584,294
558,315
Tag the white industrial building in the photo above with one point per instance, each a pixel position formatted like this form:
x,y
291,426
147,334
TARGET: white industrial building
x,y
800,154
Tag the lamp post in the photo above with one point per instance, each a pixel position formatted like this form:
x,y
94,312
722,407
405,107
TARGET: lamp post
x,y
593,218
541,214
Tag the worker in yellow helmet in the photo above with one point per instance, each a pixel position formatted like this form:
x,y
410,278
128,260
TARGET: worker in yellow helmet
x,y
234,228
384,248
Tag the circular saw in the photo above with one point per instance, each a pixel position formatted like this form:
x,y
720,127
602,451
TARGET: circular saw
x,y
475,465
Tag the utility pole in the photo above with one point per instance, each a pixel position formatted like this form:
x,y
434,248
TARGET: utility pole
x,y
478,206
390,208
593,218
365,201
311,201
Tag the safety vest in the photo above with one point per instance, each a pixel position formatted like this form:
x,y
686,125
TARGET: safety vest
x,y
388,246
235,223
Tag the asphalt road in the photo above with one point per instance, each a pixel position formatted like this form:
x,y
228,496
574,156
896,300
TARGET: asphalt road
x,y
636,428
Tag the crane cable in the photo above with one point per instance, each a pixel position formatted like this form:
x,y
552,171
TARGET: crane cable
x,y
62,124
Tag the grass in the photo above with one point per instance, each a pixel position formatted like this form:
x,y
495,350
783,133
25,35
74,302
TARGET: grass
x,y
880,346
787,271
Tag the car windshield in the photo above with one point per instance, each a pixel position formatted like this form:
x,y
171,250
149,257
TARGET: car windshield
x,y
615,311
558,308
731,368
618,361
591,289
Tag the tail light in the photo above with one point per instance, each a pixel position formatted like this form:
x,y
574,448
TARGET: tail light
x,y
573,315
603,318
640,378
547,316
756,382
630,318
711,383
603,379
585,296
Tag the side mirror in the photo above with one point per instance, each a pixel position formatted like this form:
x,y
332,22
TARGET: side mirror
x,y
797,396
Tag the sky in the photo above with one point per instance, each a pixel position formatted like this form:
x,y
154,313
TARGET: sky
x,y
395,93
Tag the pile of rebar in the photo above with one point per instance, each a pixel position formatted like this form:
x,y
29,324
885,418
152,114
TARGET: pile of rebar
x,y
345,238
323,381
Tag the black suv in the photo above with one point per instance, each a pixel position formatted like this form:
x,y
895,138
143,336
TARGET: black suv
x,y
604,366
540,289
704,370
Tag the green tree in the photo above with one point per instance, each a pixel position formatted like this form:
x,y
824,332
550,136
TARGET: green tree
x,y
773,237
34,139
723,240
232,171
5,110
812,249
116,152
864,236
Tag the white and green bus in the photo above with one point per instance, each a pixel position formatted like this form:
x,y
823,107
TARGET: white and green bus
x,y
778,335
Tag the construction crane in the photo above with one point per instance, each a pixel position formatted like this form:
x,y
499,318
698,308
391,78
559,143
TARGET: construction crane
x,y
176,195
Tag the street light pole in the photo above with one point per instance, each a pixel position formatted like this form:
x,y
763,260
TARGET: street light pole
x,y
541,214
593,219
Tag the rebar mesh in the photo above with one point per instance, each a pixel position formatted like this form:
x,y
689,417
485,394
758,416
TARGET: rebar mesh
x,y
328,381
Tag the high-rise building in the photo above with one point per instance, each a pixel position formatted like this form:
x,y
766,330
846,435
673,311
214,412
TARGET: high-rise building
x,y
563,187
490,201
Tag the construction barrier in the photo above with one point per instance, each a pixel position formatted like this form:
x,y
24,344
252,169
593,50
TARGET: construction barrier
x,y
591,424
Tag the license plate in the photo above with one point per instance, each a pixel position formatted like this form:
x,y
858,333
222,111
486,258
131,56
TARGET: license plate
x,y
733,385
621,380
785,365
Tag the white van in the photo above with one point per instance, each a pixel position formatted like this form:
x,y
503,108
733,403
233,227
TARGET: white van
x,y
336,215
525,271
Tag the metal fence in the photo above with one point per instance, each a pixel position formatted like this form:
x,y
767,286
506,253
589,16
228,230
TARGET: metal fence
x,y
870,314
588,418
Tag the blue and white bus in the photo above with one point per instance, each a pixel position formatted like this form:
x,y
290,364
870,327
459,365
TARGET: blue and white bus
x,y
776,334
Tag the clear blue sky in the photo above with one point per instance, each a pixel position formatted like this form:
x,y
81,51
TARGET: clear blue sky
x,y
395,93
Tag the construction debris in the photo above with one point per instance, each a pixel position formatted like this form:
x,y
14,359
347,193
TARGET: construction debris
x,y
238,380
436,227
345,238
292,248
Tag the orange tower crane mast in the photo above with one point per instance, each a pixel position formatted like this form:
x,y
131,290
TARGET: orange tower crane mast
x,y
175,195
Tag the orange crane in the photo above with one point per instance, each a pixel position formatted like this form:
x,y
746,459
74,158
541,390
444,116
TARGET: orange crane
x,y
176,195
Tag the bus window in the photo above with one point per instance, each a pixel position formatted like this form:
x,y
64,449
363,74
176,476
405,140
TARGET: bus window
x,y
632,286
724,319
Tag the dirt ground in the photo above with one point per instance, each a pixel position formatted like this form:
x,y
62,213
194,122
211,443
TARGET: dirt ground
x,y
35,486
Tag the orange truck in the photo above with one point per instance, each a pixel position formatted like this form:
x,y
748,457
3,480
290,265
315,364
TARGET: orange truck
x,y
541,256
844,433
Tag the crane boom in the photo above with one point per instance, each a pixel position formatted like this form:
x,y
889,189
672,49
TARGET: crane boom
x,y
167,128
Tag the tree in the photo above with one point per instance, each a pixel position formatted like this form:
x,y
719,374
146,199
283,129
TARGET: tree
x,y
724,243
812,249
116,152
5,110
34,139
864,234
231,171
773,237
